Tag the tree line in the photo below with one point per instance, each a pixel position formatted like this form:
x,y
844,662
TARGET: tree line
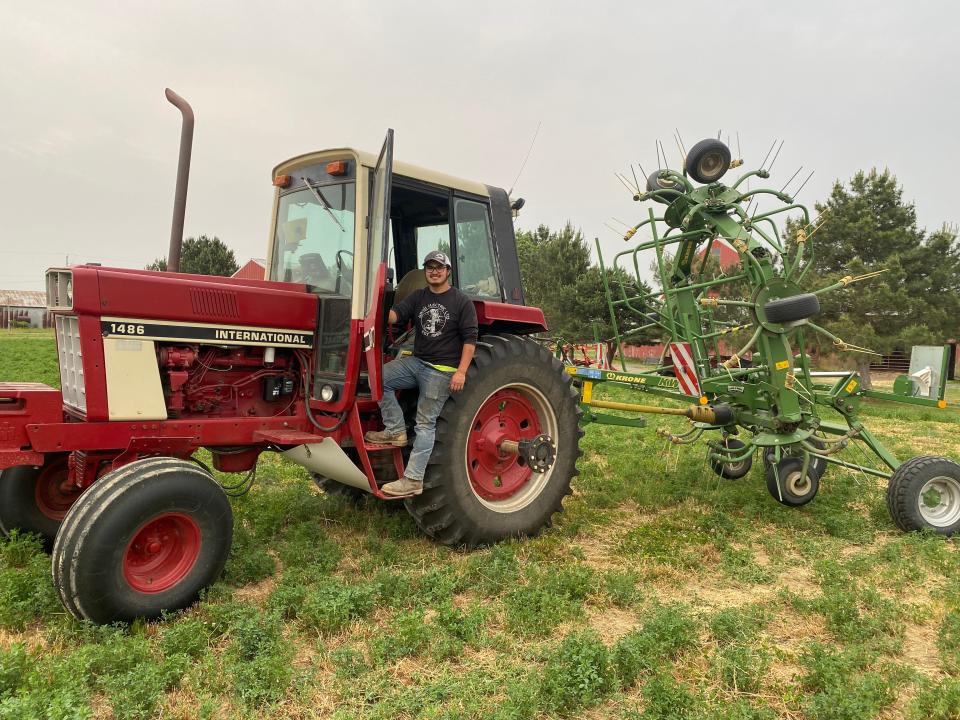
x,y
866,226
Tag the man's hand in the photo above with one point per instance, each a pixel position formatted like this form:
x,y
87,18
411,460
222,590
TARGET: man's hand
x,y
457,381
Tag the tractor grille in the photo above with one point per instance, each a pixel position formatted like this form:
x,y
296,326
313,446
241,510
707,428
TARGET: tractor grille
x,y
214,303
71,362
59,289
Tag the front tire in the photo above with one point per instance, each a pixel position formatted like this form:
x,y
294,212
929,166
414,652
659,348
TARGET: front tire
x,y
924,493
473,493
145,538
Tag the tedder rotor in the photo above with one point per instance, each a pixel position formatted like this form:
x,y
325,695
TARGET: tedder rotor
x,y
764,397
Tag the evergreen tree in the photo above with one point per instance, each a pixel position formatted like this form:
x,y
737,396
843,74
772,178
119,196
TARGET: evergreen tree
x,y
559,277
869,227
202,256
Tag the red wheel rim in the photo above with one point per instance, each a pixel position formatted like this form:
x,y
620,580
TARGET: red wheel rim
x,y
162,552
51,498
506,415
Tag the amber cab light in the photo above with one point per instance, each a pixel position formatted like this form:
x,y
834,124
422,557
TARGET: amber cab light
x,y
337,167
282,181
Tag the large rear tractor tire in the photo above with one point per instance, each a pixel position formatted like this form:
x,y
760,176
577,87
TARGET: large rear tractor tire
x,y
924,493
143,539
475,493
33,499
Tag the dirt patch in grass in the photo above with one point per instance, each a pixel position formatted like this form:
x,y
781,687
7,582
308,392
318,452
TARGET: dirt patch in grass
x,y
799,580
257,592
611,624
920,649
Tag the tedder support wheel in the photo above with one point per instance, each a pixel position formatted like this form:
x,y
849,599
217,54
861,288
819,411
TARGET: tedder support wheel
x,y
33,499
732,471
787,483
924,492
817,465
479,488
145,538
791,309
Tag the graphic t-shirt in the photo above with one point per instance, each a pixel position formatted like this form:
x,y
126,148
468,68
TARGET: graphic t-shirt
x,y
444,323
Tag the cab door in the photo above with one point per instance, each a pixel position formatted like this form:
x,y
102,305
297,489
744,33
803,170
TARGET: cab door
x,y
378,228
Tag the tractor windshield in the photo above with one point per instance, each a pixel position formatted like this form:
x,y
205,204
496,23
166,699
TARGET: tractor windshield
x,y
313,238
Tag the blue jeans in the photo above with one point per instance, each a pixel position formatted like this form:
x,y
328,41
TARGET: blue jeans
x,y
405,373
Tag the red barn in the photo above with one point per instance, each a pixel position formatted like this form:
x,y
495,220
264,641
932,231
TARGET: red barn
x,y
255,269
724,252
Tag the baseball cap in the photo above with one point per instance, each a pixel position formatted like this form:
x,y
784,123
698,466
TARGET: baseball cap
x,y
437,256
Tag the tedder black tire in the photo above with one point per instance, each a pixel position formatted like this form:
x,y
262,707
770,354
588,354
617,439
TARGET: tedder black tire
x,y
31,499
655,182
471,497
708,161
924,493
732,471
817,466
145,538
791,309
793,488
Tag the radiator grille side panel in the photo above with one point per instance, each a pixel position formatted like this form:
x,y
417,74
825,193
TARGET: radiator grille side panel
x,y
71,362
214,303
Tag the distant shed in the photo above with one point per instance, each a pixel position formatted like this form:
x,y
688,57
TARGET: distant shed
x,y
255,269
24,308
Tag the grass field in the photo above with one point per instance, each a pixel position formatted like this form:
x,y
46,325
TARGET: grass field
x,y
662,591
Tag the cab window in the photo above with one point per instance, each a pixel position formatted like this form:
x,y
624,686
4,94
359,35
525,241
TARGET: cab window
x,y
475,260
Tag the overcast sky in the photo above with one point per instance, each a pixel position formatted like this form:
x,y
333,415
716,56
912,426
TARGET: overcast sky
x,y
88,143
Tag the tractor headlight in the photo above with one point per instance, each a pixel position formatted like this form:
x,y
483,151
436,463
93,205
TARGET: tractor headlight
x,y
328,393
68,291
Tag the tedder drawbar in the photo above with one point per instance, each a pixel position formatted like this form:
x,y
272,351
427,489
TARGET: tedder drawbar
x,y
764,397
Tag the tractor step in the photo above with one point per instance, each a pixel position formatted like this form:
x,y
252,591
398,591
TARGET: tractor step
x,y
377,447
286,437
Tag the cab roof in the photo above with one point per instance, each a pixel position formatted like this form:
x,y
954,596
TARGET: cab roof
x,y
399,168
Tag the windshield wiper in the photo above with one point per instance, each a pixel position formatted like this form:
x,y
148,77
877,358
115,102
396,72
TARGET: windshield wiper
x,y
326,205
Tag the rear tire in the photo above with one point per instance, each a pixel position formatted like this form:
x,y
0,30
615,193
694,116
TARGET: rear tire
x,y
472,494
31,499
924,493
145,538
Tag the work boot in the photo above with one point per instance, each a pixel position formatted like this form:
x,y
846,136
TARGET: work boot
x,y
385,437
403,487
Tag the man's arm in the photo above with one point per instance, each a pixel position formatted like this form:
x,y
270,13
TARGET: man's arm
x,y
468,335
402,310
459,378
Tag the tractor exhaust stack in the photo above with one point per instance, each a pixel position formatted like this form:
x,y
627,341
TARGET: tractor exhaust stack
x,y
183,176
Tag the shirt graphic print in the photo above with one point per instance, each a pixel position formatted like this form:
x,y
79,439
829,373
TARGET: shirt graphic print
x,y
433,318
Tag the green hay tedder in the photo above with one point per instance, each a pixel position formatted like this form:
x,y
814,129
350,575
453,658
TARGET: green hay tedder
x,y
765,397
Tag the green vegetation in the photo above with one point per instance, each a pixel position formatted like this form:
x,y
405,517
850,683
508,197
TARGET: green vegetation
x,y
662,591
202,256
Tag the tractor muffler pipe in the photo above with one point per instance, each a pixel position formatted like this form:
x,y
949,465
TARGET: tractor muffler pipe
x,y
183,176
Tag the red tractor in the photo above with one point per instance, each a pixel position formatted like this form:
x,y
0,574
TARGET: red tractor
x,y
156,365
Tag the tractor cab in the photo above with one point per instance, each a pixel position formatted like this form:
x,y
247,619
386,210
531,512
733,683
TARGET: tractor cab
x,y
354,228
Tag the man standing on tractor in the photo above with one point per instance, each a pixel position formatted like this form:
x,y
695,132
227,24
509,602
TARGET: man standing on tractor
x,y
445,326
